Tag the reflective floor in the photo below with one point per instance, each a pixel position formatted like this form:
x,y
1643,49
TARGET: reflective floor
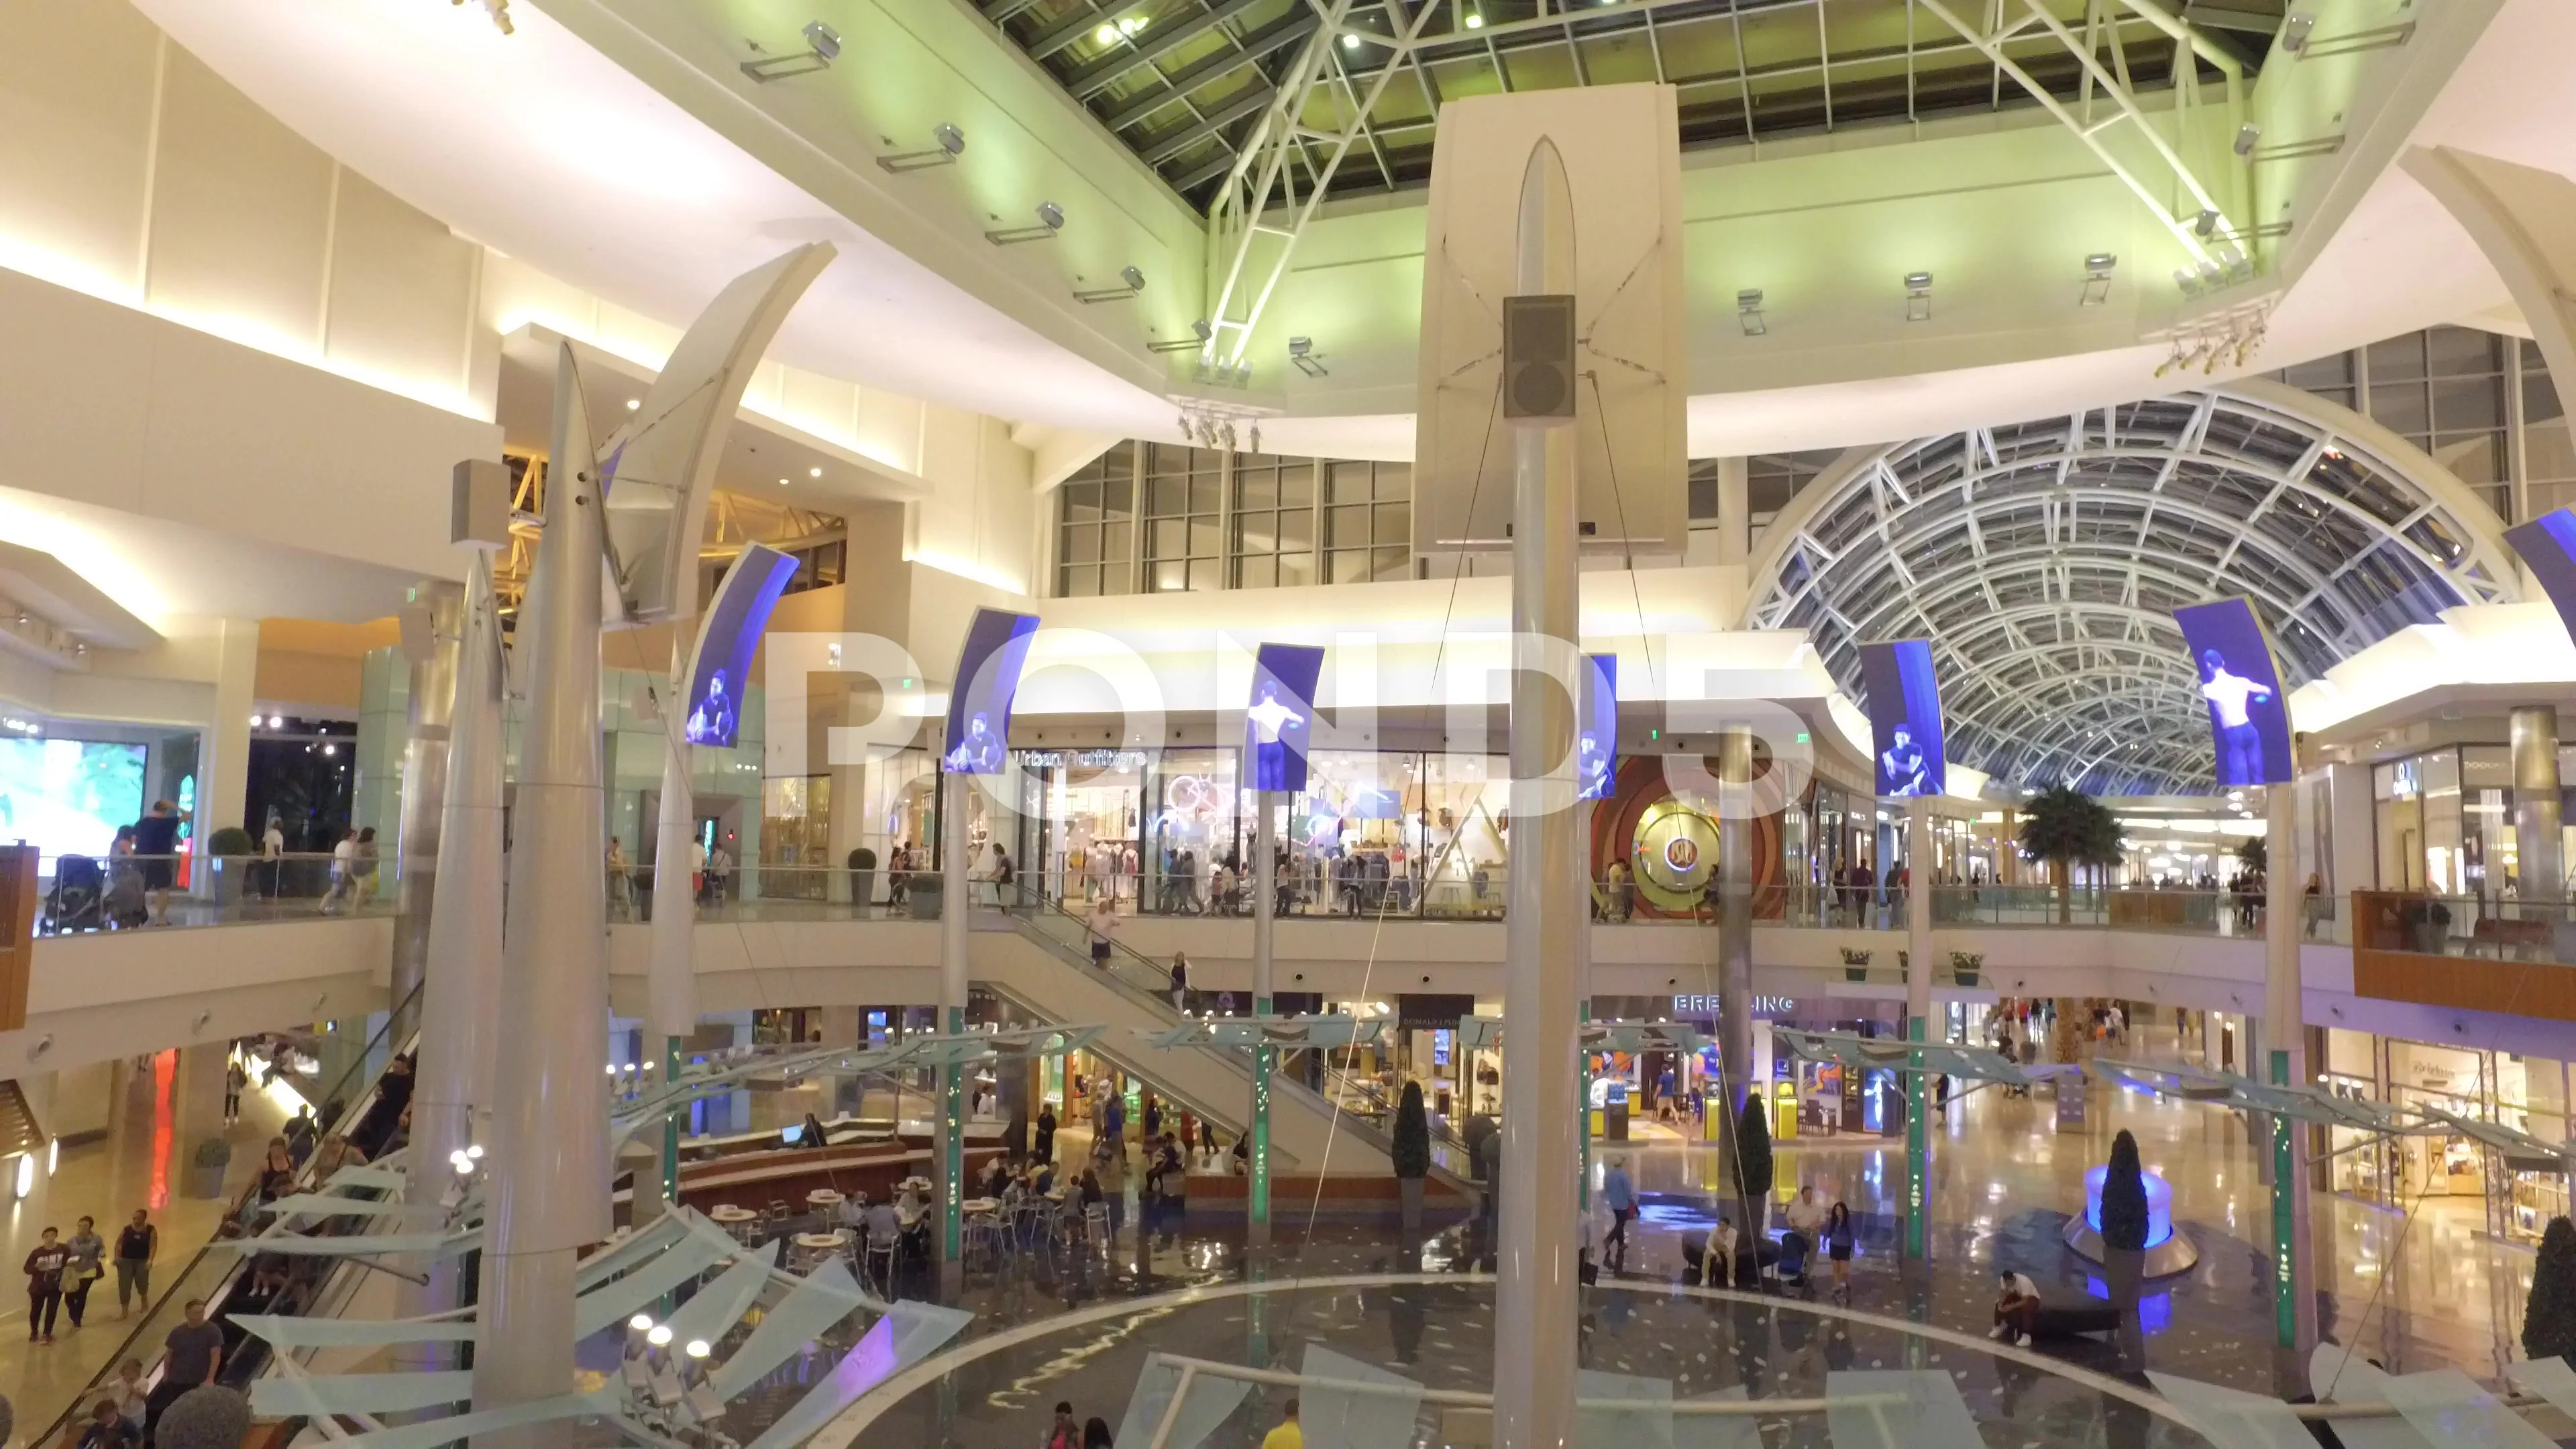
x,y
2414,1291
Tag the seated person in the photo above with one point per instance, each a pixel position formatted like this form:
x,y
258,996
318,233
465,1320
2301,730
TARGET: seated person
x,y
1044,1182
1243,1156
813,1135
996,1172
852,1211
2016,1309
1717,1263
883,1224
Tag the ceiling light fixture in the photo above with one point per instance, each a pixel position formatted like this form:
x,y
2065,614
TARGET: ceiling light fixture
x,y
1350,41
1302,355
2294,32
2097,279
1918,296
2246,136
1131,282
1050,221
634,403
822,47
1748,312
1475,20
1198,338
947,144
782,482
813,472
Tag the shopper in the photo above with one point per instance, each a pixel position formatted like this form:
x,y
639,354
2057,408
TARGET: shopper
x,y
1043,1149
236,1077
156,850
136,1246
344,863
127,1390
1806,1220
1064,1433
1104,925
2016,1309
272,856
1095,1433
1181,983
621,901
106,1428
1838,1244
44,1270
1287,1435
87,1250
302,1132
191,1354
1620,1196
362,867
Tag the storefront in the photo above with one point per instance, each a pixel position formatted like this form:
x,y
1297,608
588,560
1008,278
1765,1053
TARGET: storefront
x,y
2514,1199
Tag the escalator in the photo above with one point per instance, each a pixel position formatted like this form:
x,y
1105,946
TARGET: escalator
x,y
1043,964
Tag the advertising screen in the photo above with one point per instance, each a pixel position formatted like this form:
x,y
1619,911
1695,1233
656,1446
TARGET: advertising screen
x,y
2548,544
68,797
1596,738
1279,718
979,702
1904,718
2248,717
727,634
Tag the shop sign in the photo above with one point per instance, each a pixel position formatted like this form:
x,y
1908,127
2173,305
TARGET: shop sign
x,y
1083,759
1694,1007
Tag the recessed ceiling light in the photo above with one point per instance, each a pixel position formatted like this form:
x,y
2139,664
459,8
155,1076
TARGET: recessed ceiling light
x,y
633,403
1475,21
1106,35
1350,41
814,472
782,482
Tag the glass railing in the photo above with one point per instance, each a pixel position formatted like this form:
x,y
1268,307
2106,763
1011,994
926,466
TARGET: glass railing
x,y
2471,927
212,1272
86,893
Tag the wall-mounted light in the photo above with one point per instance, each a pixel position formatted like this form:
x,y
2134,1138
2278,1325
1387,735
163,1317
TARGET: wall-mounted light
x,y
2294,32
822,47
1131,282
2246,136
1302,356
1748,312
947,144
1050,221
2097,279
1199,334
2205,225
1918,296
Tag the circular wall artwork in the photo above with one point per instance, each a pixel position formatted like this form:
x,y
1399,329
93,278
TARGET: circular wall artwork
x,y
1681,853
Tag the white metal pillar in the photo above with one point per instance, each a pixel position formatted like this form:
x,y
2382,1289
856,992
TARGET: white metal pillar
x,y
2285,1063
956,898
1735,954
2539,865
1536,1292
424,794
1265,908
1918,1024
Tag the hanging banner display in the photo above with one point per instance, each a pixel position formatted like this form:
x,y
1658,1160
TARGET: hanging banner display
x,y
1277,721
727,634
1905,718
2548,545
2249,716
1596,761
979,701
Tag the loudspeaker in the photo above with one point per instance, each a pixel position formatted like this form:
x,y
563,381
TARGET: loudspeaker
x,y
480,509
1538,359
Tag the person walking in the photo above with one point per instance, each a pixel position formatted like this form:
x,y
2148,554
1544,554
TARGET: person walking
x,y
236,1077
1620,1196
1287,1435
44,1269
620,881
87,1248
1838,1244
156,851
191,1353
272,856
1104,925
1806,1221
1044,1148
1180,985
136,1246
1095,1433
344,862
1064,1433
362,867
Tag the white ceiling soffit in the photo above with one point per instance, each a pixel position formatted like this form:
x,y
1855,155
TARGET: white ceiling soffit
x,y
537,145
542,147
46,587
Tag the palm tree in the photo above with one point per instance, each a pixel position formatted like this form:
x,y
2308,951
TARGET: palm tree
x,y
2067,828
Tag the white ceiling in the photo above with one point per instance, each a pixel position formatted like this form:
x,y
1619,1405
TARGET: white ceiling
x,y
539,146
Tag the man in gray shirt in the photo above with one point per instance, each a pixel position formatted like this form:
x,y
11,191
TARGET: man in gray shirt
x,y
191,1354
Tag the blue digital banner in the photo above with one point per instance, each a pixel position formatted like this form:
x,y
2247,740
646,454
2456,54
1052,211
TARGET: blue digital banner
x,y
1280,715
2249,719
1596,742
979,701
727,634
1905,718
2548,545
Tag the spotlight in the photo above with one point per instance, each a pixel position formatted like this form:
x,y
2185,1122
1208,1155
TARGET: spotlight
x,y
1198,338
1918,296
659,1335
1131,282
276,722
947,144
813,472
2294,32
822,47
1050,221
641,1323
697,1348
633,403
2097,279
1475,21
1350,41
2207,226
1301,353
2246,136
1748,312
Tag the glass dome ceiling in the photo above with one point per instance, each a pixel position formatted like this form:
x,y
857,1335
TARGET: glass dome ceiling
x,y
2044,560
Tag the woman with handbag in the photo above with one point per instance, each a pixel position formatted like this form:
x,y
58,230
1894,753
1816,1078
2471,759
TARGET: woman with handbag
x,y
87,1248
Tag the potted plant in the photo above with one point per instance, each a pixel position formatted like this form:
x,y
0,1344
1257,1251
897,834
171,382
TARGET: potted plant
x,y
1967,967
2066,828
2549,1314
863,880
1855,964
1412,1152
231,849
927,889
206,1166
2124,1238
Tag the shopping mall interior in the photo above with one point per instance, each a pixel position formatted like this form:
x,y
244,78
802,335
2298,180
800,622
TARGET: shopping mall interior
x,y
937,722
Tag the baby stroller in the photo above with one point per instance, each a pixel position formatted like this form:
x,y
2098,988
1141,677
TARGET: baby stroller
x,y
126,906
76,901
